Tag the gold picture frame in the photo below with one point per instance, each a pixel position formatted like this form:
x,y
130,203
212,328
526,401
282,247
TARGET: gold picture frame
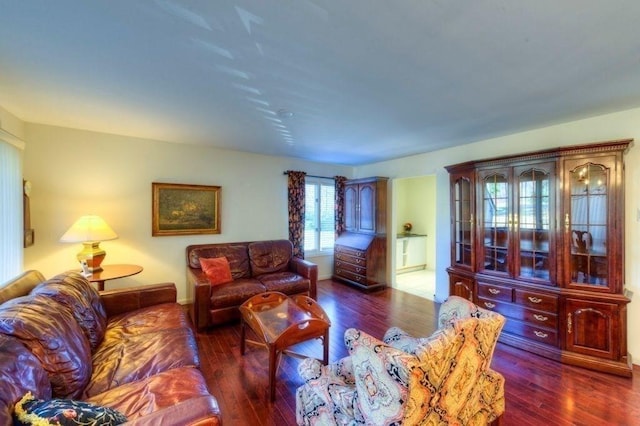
x,y
180,209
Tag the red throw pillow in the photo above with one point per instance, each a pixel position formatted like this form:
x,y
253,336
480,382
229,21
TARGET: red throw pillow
x,y
217,269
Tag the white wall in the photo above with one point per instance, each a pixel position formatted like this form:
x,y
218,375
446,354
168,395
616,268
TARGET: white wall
x,y
621,125
11,128
416,203
76,172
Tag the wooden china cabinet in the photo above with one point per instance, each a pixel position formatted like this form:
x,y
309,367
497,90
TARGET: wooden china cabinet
x,y
360,254
538,237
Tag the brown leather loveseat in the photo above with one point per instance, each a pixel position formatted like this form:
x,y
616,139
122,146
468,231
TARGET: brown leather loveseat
x,y
132,350
256,267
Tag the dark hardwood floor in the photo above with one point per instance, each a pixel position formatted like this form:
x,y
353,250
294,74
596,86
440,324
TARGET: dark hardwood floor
x,y
538,391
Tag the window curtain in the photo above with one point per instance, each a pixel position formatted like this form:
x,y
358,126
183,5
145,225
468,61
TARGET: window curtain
x,y
339,204
296,189
11,226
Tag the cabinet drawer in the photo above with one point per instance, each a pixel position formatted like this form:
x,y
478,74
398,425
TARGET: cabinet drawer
x,y
351,267
541,319
495,292
351,276
517,312
538,301
540,334
351,251
495,306
347,258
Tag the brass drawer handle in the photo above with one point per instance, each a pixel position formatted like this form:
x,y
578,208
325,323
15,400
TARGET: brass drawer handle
x,y
534,299
489,305
541,334
494,291
540,317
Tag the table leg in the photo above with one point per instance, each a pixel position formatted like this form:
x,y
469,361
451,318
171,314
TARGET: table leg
x,y
325,344
272,372
242,335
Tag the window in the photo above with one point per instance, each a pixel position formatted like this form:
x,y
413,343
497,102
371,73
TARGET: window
x,y
319,226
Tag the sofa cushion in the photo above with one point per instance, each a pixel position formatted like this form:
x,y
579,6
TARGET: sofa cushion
x,y
33,411
270,256
54,337
137,357
20,371
148,395
82,300
235,293
236,255
165,316
285,282
216,269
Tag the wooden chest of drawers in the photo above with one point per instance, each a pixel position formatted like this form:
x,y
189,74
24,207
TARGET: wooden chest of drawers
x,y
360,259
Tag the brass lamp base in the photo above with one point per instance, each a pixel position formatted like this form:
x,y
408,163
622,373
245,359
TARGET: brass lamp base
x,y
93,255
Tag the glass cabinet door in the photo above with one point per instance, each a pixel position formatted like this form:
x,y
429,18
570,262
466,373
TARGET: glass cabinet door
x,y
535,207
496,221
587,224
462,217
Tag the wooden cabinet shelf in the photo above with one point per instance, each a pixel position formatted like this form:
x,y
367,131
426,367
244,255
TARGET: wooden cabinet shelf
x,y
538,237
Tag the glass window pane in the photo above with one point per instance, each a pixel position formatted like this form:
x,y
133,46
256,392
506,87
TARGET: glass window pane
x,y
319,230
310,217
327,214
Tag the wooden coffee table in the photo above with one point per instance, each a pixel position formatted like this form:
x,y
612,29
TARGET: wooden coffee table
x,y
280,322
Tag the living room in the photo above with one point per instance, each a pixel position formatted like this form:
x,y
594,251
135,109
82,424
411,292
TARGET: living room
x,y
120,190
75,171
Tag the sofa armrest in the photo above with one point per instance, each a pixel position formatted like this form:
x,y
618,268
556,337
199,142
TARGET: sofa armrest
x,y
201,297
129,299
341,370
194,412
308,270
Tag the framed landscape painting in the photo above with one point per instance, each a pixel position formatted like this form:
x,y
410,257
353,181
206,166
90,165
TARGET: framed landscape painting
x,y
180,209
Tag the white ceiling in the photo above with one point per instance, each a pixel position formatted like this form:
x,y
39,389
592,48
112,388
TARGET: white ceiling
x,y
366,80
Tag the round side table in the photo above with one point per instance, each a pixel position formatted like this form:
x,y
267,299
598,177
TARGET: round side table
x,y
113,272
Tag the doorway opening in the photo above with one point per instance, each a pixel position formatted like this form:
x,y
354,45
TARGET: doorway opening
x,y
415,231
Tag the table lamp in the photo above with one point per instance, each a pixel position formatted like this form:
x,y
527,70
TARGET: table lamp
x,y
90,230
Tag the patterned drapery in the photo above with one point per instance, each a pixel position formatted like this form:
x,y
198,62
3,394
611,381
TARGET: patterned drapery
x,y
296,211
339,204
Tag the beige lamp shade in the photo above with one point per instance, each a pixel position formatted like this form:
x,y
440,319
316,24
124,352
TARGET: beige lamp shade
x,y
90,230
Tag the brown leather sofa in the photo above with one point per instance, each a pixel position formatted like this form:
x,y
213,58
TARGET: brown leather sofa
x,y
256,267
133,350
